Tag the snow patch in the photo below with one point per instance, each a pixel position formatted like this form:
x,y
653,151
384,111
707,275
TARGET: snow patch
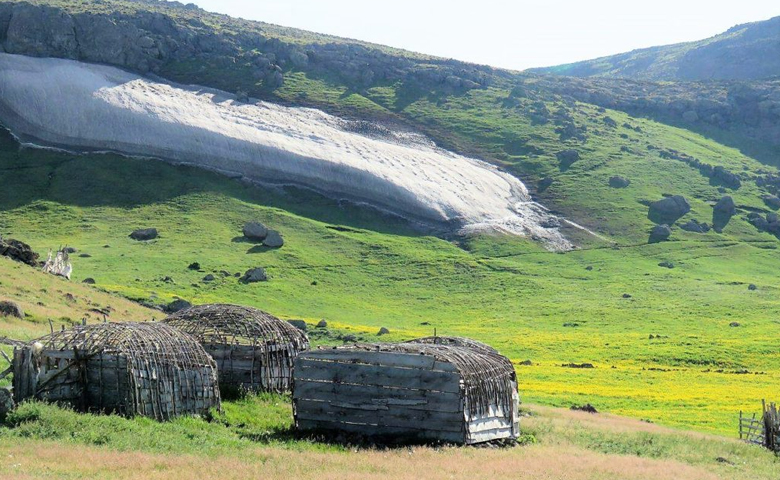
x,y
70,104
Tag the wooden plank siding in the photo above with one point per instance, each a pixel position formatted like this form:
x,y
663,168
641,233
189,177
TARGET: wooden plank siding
x,y
403,396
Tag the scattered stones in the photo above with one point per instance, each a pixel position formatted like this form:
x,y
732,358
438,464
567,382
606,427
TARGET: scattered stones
x,y
194,266
85,255
19,251
694,226
589,268
668,210
734,324
544,184
584,408
571,324
177,305
11,309
167,279
526,363
619,182
299,324
724,460
89,281
349,338
255,231
209,278
322,324
566,158
254,275
6,403
666,264
626,295
273,239
660,233
383,331
144,234
752,287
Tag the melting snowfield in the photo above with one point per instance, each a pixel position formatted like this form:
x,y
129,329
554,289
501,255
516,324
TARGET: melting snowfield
x,y
75,105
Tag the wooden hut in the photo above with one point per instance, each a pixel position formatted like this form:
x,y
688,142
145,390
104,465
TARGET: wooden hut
x,y
407,392
147,369
253,349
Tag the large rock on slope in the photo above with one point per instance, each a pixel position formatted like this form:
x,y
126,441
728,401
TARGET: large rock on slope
x,y
659,233
254,275
273,239
11,309
566,158
6,403
726,206
19,251
255,231
144,234
669,209
619,182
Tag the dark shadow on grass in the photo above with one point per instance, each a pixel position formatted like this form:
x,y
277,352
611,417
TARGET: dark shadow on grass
x,y
30,176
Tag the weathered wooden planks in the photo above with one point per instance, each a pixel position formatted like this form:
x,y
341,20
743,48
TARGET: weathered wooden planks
x,y
420,379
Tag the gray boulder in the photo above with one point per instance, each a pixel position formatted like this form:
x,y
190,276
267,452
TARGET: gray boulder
x,y
254,275
255,231
726,206
383,331
273,239
89,281
11,309
209,278
619,182
659,233
177,305
299,324
567,157
772,201
144,234
669,209
322,324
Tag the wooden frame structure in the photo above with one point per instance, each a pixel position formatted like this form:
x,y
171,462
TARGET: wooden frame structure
x,y
147,369
407,392
253,349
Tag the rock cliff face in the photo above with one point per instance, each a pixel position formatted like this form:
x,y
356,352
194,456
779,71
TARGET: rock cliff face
x,y
156,35
84,106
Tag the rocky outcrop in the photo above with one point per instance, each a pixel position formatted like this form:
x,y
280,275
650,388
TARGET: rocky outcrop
x,y
19,251
144,234
669,209
11,309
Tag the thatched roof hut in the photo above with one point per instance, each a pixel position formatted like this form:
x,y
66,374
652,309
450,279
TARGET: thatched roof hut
x,y
253,349
407,392
147,369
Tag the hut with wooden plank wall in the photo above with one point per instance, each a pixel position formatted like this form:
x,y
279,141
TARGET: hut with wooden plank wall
x,y
147,369
253,349
407,392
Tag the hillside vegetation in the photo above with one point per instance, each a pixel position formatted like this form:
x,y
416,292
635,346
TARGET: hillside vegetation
x,y
679,333
744,52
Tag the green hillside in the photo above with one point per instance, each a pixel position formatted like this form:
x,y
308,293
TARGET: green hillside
x,y
687,346
744,52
